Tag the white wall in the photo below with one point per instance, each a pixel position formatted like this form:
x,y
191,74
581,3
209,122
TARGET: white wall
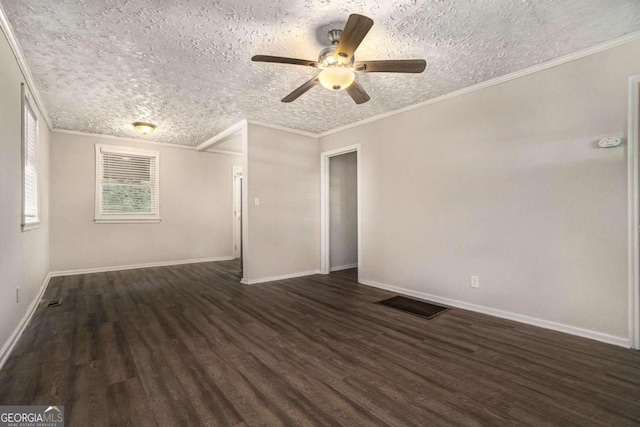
x,y
24,256
506,183
343,210
284,230
195,207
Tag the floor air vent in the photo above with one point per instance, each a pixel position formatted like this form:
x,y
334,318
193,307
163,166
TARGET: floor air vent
x,y
415,307
54,302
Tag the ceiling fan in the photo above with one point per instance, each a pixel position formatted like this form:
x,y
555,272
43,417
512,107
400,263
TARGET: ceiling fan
x,y
338,64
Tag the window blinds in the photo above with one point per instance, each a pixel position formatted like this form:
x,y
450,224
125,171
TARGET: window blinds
x,y
128,183
30,208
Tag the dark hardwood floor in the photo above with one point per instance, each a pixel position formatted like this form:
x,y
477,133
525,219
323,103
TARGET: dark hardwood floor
x,y
189,346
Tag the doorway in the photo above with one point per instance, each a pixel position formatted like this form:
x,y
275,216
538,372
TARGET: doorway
x,y
343,212
340,205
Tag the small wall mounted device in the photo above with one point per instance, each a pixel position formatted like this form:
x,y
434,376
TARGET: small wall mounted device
x,y
610,141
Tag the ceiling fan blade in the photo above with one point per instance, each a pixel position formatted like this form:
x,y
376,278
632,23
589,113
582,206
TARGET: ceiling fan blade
x,y
358,94
283,60
301,90
392,66
357,27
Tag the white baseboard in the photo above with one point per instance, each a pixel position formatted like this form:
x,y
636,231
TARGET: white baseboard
x,y
135,266
344,267
560,327
274,278
8,346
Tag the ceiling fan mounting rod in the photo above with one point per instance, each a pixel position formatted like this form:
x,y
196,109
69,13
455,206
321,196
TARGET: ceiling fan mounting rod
x,y
334,36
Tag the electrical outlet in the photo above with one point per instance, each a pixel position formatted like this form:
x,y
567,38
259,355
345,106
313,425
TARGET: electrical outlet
x,y
17,295
475,282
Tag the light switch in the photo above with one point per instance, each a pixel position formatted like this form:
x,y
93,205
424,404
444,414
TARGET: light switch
x,y
257,201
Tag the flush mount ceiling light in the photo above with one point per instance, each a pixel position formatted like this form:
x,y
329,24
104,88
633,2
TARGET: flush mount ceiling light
x,y
144,128
338,65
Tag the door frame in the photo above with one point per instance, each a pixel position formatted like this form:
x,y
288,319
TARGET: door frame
x,y
237,200
633,146
325,226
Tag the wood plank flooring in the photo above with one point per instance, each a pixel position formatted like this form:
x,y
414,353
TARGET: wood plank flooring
x,y
189,346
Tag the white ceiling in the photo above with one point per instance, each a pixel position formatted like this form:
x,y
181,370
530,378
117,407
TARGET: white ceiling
x,y
185,66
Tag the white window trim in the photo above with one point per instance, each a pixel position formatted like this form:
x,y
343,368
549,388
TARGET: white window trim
x,y
29,223
102,218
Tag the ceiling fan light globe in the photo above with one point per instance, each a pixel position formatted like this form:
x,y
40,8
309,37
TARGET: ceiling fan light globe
x,y
337,78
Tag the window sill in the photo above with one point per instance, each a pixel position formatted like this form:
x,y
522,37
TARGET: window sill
x,y
126,220
30,226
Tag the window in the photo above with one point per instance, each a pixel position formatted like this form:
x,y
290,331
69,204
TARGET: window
x,y
30,214
127,185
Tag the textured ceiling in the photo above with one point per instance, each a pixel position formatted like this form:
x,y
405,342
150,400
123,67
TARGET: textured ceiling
x,y
185,66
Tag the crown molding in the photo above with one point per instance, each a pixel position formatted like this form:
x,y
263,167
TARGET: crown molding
x,y
228,153
22,64
211,142
284,128
121,138
496,81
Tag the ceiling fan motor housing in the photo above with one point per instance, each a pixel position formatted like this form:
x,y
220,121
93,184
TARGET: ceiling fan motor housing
x,y
327,55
